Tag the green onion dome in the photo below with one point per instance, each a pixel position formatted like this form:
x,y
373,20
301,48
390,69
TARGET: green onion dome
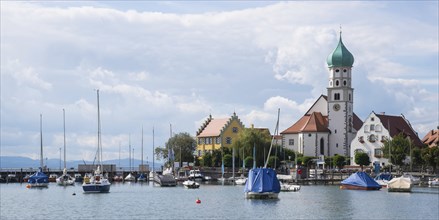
x,y
340,56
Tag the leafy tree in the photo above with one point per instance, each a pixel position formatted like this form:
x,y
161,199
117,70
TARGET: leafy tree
x,y
161,153
431,157
251,137
271,161
338,161
248,161
183,146
362,159
228,160
217,158
416,157
399,149
207,160
306,160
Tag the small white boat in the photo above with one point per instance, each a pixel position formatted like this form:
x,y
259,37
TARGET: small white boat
x,y
130,178
433,182
240,181
195,175
53,177
383,179
65,179
400,184
286,187
190,184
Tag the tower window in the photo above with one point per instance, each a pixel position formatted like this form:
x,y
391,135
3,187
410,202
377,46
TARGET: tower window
x,y
349,97
330,83
337,96
337,83
344,70
344,82
337,70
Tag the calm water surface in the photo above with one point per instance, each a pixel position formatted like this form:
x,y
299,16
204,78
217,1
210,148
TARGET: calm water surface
x,y
147,201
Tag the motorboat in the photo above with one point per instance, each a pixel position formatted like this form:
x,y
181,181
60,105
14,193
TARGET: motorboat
x,y
383,179
195,175
433,182
360,181
11,178
400,184
288,187
240,181
190,184
130,178
65,179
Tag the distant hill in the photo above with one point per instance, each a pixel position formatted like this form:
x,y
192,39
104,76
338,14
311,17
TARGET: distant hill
x,y
25,162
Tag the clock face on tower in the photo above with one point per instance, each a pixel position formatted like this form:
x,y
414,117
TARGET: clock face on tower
x,y
336,107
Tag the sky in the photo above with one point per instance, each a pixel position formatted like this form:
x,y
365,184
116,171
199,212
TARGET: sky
x,y
168,64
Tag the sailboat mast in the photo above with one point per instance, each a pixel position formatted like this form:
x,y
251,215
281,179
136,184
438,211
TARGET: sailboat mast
x,y
99,132
41,141
142,148
129,148
272,140
153,150
64,123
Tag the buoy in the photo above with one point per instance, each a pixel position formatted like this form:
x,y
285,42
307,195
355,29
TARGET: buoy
x,y
28,186
74,194
198,201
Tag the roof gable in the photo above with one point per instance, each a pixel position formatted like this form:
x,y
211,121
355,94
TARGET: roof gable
x,y
315,122
398,124
431,138
214,127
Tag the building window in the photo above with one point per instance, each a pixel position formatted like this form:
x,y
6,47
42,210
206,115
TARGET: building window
x,y
372,127
228,140
309,135
335,131
358,151
366,128
218,140
349,97
337,70
322,146
372,138
344,70
336,145
372,119
344,82
336,96
337,83
361,139
209,140
378,153
235,129
199,140
291,142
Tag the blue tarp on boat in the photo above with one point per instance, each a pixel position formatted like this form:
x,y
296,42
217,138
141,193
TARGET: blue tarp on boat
x,y
384,176
361,179
262,180
38,178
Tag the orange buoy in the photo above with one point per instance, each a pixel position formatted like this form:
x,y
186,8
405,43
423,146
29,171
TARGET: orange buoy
x,y
28,186
198,201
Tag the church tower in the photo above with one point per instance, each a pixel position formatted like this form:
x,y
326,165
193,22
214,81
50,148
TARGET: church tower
x,y
340,100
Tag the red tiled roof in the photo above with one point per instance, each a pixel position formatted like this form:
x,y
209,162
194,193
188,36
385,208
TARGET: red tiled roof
x,y
315,122
213,129
398,124
431,138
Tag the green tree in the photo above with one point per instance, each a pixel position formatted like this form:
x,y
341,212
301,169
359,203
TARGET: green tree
x,y
431,157
207,160
417,157
271,162
362,159
228,160
338,161
251,137
399,149
306,160
161,153
248,161
217,158
183,146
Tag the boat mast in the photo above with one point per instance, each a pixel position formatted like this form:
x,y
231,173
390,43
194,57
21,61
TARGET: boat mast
x,y
129,149
64,122
153,150
41,141
272,139
99,133
142,149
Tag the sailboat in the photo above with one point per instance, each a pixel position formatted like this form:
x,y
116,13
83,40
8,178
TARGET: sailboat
x,y
39,179
141,177
97,183
262,183
130,177
65,179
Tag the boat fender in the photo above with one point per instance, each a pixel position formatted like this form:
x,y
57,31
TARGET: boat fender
x,y
198,201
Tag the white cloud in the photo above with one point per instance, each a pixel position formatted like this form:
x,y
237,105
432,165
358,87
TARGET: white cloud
x,y
156,68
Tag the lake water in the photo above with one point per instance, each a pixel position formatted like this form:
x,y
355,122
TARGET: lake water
x,y
149,201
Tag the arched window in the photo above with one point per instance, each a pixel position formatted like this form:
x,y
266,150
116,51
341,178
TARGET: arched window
x,y
322,146
337,83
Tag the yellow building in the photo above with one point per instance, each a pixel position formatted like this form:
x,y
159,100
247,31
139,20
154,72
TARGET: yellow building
x,y
217,133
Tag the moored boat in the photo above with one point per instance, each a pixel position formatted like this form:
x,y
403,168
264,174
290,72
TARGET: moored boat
x,y
190,184
65,179
433,182
400,184
413,179
262,183
130,178
360,181
383,179
39,179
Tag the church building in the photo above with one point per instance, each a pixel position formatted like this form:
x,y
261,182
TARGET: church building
x,y
330,125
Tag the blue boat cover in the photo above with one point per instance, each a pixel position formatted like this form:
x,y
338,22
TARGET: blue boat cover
x,y
262,180
384,176
361,179
38,177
